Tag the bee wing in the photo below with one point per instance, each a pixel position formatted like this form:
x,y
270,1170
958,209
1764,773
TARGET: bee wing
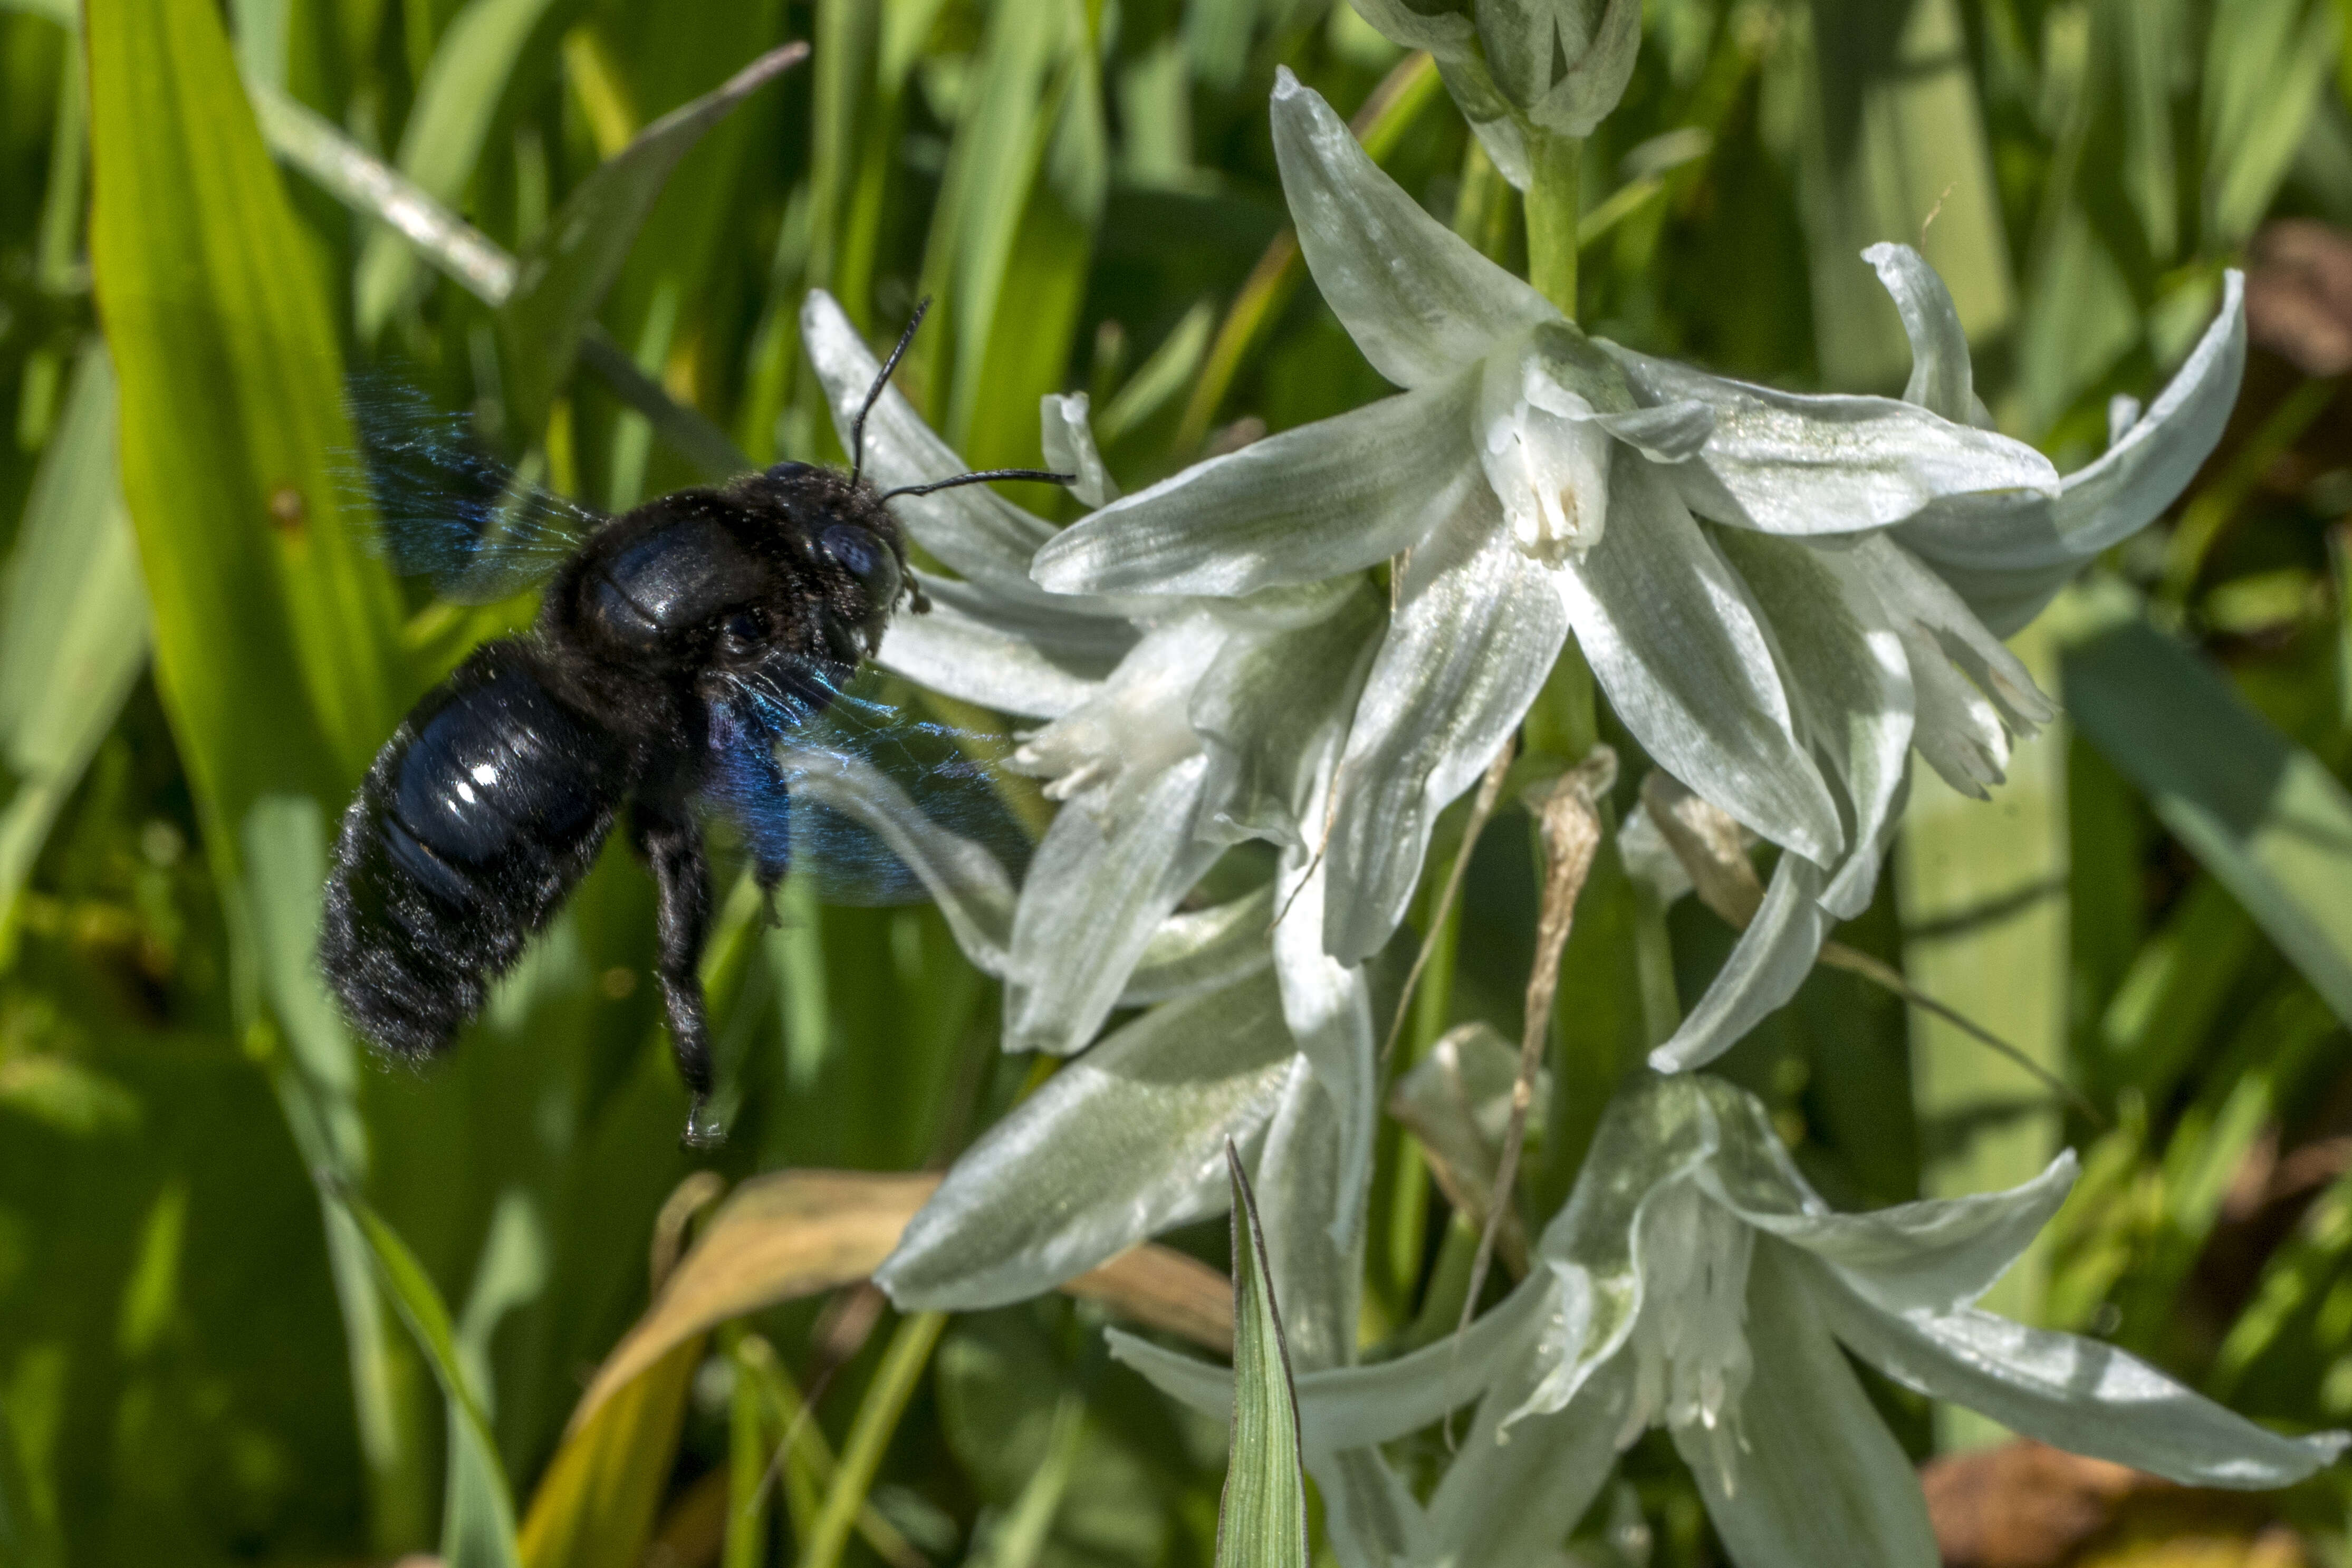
x,y
848,793
445,507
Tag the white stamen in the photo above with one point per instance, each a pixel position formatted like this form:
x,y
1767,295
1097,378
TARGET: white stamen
x,y
1547,459
1689,1346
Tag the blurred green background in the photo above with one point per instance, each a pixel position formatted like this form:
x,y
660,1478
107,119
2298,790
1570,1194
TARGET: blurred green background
x,y
239,1262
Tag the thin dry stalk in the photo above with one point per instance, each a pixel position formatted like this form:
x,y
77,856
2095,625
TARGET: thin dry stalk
x,y
1568,814
1490,790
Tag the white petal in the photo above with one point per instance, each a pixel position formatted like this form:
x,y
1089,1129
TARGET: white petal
x,y
1599,52
1815,1476
1767,964
1121,1144
967,881
1492,118
1018,657
1325,499
1369,1514
1419,299
1791,464
1916,598
1069,443
1935,1255
1272,711
1655,1133
1353,1407
1957,730
1678,643
2074,1394
2122,493
981,534
1476,630
1093,897
2007,556
1850,684
1302,1184
1101,754
1445,35
1457,1101
1203,950
1649,859
1328,1007
1512,1496
1943,381
1670,432
2123,411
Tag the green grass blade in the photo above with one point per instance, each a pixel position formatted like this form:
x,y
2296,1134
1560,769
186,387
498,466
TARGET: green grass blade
x,y
1898,134
2266,64
1262,1522
1028,236
2262,814
567,270
597,1503
477,1522
316,1077
29,1536
440,145
276,634
1983,900
73,622
475,263
903,1359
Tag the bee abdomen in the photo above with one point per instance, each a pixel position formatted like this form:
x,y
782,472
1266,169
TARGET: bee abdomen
x,y
480,814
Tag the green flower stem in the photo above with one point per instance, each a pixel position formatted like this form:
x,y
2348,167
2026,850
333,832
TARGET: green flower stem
x,y
1408,1203
1553,209
903,1360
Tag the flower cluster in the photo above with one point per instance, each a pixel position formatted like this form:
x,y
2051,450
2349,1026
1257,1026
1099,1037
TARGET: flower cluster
x,y
1695,1281
1783,598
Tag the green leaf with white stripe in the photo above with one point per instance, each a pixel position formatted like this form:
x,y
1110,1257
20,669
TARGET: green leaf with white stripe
x,y
565,272
1262,1522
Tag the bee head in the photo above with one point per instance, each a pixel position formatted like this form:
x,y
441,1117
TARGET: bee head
x,y
845,547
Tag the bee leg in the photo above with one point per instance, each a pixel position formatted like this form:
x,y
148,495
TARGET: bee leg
x,y
769,876
673,847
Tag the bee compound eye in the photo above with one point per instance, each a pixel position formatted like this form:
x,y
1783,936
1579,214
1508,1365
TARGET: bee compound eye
x,y
865,558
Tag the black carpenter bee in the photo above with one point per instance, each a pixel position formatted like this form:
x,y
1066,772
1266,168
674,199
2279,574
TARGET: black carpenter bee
x,y
676,651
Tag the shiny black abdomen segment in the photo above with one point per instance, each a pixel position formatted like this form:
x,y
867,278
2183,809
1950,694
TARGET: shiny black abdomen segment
x,y
498,771
480,814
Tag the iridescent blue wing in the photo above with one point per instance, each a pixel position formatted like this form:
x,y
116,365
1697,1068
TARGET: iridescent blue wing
x,y
783,748
445,507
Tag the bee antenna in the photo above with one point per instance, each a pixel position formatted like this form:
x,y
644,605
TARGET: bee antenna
x,y
983,475
873,392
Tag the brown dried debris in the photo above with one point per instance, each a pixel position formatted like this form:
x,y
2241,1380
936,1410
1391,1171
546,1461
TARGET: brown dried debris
x,y
2299,294
2022,1504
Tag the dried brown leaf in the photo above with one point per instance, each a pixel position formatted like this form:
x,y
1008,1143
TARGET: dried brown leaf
x,y
793,1234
